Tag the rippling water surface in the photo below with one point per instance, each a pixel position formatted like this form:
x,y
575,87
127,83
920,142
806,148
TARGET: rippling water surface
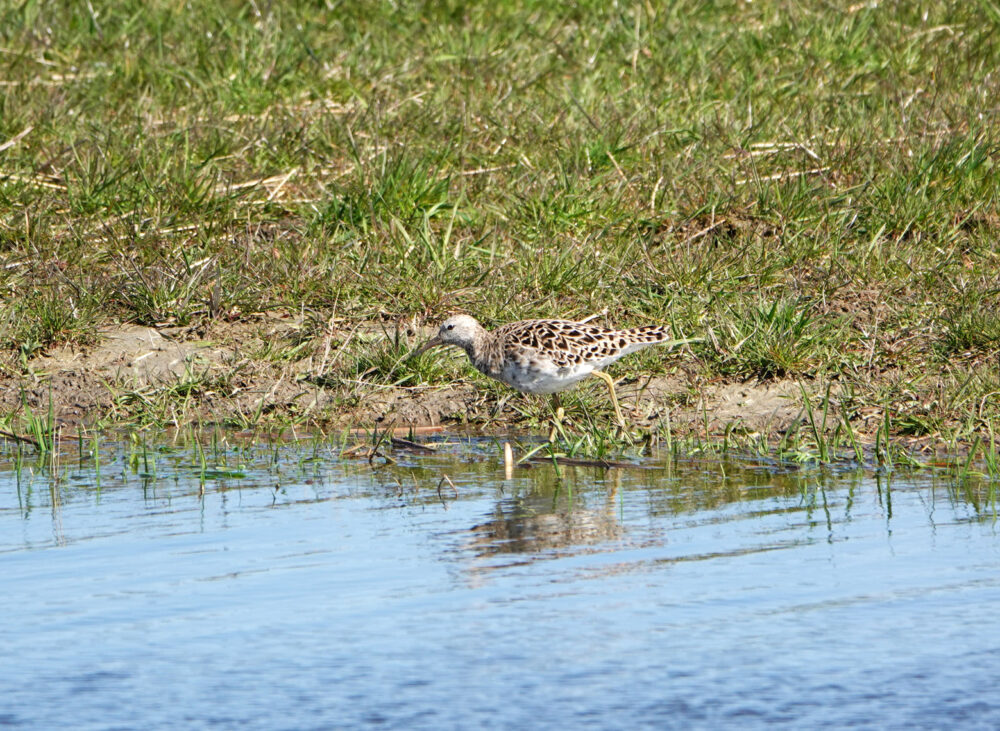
x,y
298,589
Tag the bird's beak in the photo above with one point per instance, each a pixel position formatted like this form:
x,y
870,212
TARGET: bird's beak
x,y
432,343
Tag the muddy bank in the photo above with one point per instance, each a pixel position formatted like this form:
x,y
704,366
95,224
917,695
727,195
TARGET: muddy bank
x,y
242,372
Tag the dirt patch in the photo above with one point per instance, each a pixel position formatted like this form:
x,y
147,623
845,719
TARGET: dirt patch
x,y
225,374
754,405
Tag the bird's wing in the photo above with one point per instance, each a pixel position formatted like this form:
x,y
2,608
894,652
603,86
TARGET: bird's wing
x,y
564,342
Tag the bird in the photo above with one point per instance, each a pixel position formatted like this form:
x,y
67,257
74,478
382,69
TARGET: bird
x,y
547,356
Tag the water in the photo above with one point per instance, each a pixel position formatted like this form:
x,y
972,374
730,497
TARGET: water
x,y
318,592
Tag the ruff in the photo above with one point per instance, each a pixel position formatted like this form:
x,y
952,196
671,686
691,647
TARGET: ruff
x,y
546,356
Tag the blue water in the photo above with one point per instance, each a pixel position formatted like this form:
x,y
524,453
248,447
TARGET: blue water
x,y
321,593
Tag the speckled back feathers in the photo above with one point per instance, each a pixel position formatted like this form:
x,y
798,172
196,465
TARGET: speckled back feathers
x,y
566,343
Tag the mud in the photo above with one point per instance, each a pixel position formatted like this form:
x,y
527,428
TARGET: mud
x,y
227,373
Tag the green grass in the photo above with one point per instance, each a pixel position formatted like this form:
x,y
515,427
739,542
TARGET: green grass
x,y
812,188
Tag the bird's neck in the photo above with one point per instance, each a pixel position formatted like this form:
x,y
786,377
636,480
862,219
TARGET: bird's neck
x,y
484,352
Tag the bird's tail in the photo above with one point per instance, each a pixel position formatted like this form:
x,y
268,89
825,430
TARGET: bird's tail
x,y
649,334
655,335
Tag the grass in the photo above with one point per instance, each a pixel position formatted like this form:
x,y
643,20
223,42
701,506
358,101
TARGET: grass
x,y
811,188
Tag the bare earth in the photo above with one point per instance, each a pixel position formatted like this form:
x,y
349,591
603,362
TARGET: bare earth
x,y
223,374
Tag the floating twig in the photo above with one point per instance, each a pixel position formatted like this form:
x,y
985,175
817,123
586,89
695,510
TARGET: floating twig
x,y
400,443
19,438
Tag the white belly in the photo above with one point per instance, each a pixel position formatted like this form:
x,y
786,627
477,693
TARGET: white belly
x,y
543,378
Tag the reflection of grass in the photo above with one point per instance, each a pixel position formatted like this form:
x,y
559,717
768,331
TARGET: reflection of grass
x,y
827,210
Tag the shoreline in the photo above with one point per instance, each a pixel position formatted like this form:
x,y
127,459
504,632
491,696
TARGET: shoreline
x,y
136,376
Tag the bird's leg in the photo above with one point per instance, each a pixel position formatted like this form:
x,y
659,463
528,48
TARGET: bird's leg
x,y
614,399
557,418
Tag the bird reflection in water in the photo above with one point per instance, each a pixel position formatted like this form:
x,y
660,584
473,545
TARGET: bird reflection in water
x,y
549,521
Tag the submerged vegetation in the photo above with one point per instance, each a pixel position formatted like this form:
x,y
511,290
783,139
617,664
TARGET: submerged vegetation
x,y
198,460
810,189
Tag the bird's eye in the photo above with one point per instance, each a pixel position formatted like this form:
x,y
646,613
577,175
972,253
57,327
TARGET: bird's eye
x,y
449,327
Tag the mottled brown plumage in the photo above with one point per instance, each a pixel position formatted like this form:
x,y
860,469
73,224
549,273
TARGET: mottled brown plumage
x,y
545,356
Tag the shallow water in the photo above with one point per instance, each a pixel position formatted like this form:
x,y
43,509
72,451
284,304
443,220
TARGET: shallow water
x,y
319,592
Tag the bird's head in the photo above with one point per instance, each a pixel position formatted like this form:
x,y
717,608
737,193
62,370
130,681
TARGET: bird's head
x,y
460,330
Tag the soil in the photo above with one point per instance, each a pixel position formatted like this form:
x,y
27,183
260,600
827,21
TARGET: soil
x,y
222,374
